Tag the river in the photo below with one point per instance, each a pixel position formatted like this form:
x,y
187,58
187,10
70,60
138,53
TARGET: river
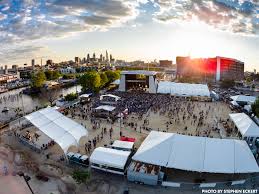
x,y
14,99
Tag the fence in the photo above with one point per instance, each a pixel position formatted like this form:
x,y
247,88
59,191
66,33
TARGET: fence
x,y
249,183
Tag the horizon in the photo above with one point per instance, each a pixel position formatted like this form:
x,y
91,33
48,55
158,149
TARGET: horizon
x,y
129,30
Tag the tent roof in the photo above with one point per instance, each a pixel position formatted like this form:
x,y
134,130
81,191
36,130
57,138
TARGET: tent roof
x,y
105,107
85,95
139,72
123,144
246,126
199,154
243,98
111,157
183,89
61,129
234,103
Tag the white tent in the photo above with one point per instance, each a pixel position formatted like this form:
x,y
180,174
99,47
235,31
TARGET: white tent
x,y
199,154
85,95
109,157
243,98
106,108
61,129
246,126
123,144
116,82
183,89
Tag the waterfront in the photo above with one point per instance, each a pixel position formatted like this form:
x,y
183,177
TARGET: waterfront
x,y
16,99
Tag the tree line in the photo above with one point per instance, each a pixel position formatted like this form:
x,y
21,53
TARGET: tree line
x,y
95,81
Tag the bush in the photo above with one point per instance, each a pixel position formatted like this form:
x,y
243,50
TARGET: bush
x,y
81,176
71,97
255,107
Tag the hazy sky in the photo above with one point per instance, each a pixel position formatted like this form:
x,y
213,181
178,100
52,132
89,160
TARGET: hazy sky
x,y
129,29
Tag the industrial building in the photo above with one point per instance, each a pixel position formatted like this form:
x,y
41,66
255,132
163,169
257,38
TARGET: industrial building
x,y
210,69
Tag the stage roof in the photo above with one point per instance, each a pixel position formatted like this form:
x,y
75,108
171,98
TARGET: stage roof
x,y
139,72
110,95
246,126
62,130
199,154
243,98
183,89
111,157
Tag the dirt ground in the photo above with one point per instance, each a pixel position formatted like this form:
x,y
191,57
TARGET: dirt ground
x,y
23,158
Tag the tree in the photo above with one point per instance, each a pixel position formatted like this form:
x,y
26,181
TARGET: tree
x,y
48,74
90,80
112,75
52,75
104,79
227,83
38,79
55,75
50,95
81,176
71,97
255,107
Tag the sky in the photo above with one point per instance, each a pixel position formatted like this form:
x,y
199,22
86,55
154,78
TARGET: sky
x,y
129,29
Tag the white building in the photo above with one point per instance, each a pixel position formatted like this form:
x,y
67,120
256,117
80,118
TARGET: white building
x,y
67,70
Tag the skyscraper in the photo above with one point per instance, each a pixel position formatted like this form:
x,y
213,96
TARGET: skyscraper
x,y
101,57
107,56
88,57
32,63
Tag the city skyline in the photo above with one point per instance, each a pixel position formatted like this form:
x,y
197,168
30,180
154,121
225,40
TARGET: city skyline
x,y
130,30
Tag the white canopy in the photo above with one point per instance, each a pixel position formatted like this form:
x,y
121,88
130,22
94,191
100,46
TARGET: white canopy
x,y
105,107
110,95
199,154
85,95
110,157
246,126
243,98
116,82
183,89
61,129
123,144
234,103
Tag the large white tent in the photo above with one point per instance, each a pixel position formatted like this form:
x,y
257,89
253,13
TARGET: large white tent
x,y
110,157
61,129
183,89
243,98
246,126
199,154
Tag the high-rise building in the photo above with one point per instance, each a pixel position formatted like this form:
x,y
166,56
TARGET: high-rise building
x,y
88,57
101,58
33,63
94,57
77,60
111,58
217,69
107,56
